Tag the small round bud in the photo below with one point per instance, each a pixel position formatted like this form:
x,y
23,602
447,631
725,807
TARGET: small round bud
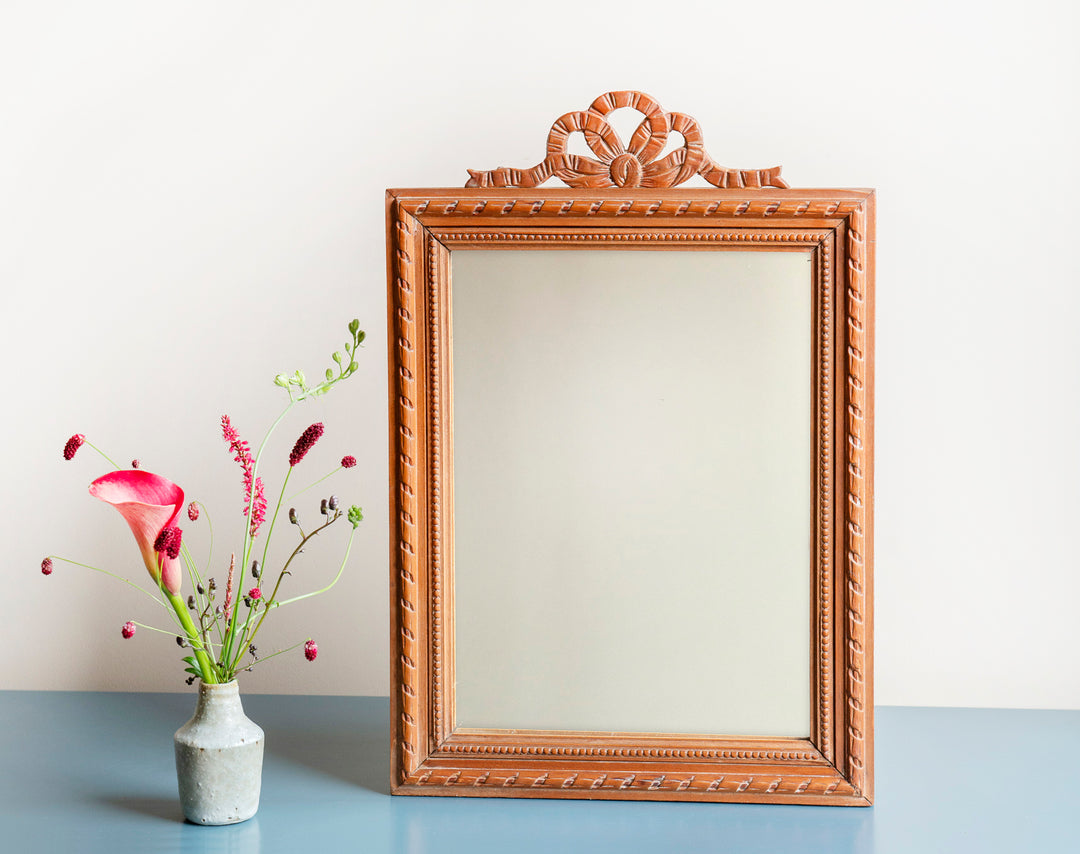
x,y
127,630
323,507
255,573
201,589
193,511
46,566
212,584
135,463
190,680
252,648
348,462
292,516
333,503
180,641
191,602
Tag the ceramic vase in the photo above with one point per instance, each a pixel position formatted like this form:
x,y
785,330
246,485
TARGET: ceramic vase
x,y
219,755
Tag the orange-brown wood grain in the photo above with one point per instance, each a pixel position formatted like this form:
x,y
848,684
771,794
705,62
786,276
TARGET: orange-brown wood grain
x,y
431,755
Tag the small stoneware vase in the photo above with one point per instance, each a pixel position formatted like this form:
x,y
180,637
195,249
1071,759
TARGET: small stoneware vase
x,y
219,755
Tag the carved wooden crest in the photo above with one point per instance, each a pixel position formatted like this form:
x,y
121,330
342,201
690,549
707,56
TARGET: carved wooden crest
x,y
631,165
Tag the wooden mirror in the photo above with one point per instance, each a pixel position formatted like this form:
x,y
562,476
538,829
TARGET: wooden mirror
x,y
631,477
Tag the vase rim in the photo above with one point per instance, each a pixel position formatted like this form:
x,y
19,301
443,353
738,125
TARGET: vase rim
x,y
232,684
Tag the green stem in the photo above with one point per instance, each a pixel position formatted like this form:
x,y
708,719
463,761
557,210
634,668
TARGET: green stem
x,y
210,525
341,569
230,618
273,519
208,674
272,601
197,582
249,538
312,485
130,584
152,628
106,456
275,654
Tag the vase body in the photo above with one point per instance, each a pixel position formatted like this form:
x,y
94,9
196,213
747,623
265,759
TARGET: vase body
x,y
219,755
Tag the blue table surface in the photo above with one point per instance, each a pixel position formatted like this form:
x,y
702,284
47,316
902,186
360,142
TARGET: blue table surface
x,y
89,772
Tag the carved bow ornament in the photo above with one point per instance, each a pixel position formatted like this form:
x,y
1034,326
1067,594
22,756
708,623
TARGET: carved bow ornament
x,y
633,165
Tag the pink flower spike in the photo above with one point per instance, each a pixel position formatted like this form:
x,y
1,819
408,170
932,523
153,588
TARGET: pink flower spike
x,y
311,650
127,630
193,512
348,462
149,503
73,444
304,444
255,593
253,486
46,566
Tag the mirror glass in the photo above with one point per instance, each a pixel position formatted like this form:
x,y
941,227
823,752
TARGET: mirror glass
x,y
633,451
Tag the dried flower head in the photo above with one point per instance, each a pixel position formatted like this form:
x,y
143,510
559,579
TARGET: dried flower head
x,y
191,602
180,641
255,571
348,462
46,566
333,502
324,507
193,511
135,463
168,541
127,631
292,516
311,650
304,444
228,585
73,444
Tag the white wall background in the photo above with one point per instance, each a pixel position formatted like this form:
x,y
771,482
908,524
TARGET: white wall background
x,y
191,200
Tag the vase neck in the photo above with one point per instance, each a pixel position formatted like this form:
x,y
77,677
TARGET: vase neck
x,y
219,700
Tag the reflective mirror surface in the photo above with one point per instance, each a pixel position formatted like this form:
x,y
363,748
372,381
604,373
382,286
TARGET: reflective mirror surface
x,y
633,482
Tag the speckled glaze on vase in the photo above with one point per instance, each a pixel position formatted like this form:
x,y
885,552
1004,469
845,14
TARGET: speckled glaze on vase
x,y
219,755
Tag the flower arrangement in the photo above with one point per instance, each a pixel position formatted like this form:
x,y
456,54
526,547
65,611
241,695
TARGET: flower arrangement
x,y
220,626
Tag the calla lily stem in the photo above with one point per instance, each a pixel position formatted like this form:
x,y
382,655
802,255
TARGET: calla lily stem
x,y
209,673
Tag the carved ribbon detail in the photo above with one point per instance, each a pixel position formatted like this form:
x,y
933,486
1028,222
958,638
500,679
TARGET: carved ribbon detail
x,y
632,165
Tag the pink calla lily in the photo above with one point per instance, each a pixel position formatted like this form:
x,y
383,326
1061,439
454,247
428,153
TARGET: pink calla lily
x,y
149,503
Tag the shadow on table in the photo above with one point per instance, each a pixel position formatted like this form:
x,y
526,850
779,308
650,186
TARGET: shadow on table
x,y
347,738
343,737
163,808
359,757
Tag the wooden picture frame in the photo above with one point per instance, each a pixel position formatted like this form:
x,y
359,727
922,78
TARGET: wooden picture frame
x,y
622,204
